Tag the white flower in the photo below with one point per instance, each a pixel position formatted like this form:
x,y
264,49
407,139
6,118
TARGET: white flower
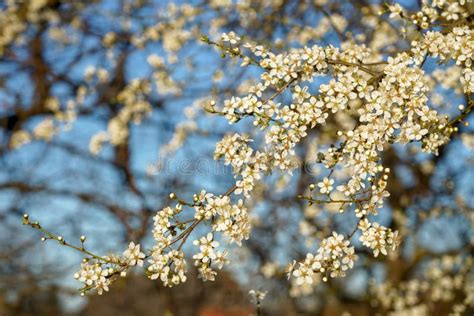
x,y
133,256
230,37
325,187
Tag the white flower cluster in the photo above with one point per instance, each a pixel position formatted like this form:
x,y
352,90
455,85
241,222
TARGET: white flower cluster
x,y
94,276
392,105
133,256
334,257
375,200
208,255
230,37
169,267
395,112
431,11
378,238
162,232
232,220
456,45
286,125
98,273
168,264
235,151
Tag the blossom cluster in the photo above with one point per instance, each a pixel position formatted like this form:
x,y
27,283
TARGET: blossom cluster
x,y
378,237
230,220
208,254
334,257
169,267
98,273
